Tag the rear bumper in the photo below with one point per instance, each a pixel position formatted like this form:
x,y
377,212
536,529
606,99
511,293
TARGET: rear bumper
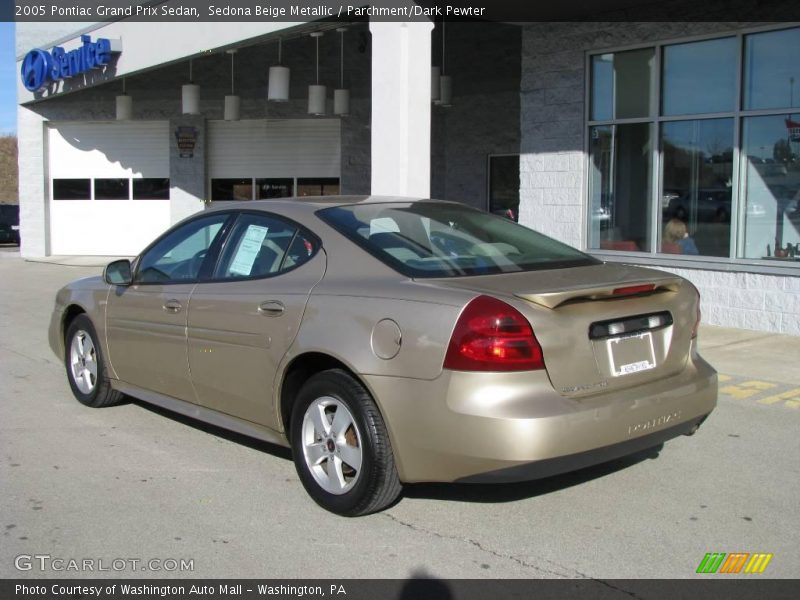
x,y
515,426
573,462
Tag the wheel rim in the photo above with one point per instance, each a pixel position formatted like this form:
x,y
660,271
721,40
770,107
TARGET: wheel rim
x,y
332,447
83,362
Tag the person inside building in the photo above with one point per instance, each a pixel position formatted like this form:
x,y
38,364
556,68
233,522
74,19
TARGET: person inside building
x,y
676,238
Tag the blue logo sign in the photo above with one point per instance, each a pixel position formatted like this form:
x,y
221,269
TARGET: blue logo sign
x,y
41,68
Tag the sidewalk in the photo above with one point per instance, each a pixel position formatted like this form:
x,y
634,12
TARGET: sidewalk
x,y
752,354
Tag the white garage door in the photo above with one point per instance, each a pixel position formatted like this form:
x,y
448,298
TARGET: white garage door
x,y
255,159
109,186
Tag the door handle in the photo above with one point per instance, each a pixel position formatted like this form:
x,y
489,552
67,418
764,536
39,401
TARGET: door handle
x,y
271,308
172,306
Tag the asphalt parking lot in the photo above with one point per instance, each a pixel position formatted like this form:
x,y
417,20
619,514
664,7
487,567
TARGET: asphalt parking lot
x,y
133,482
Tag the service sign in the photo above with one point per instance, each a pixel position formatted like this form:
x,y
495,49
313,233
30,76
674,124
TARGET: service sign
x,y
41,68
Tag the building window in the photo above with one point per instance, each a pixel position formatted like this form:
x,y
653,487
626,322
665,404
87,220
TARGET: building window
x,y
112,189
151,188
622,85
619,180
697,173
504,186
274,188
771,186
694,149
72,189
699,77
231,189
318,186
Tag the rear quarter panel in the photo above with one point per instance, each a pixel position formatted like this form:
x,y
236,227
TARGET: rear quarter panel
x,y
340,320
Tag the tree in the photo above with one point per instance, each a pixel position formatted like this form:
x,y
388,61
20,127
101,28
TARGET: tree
x,y
9,170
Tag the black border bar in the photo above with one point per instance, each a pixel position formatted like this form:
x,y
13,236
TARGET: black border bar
x,y
397,10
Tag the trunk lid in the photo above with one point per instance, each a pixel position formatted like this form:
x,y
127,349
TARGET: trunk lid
x,y
593,339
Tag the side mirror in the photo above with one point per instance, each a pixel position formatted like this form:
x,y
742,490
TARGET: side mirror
x,y
118,272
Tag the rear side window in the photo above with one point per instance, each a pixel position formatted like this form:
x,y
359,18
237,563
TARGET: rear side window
x,y
447,239
262,246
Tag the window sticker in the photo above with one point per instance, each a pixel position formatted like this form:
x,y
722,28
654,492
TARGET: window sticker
x,y
248,250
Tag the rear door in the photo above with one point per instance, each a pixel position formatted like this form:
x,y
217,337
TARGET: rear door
x,y
242,322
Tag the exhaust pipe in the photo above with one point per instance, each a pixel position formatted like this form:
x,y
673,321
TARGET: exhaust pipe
x,y
695,427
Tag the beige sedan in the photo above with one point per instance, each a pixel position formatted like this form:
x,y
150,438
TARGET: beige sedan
x,y
387,340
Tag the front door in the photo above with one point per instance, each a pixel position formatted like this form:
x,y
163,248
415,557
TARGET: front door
x,y
146,321
242,323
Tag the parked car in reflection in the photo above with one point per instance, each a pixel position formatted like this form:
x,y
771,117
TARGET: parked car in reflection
x,y
390,340
709,206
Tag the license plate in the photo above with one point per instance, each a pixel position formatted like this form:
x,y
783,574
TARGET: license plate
x,y
631,354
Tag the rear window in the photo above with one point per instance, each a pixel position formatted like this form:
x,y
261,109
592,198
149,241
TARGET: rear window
x,y
444,239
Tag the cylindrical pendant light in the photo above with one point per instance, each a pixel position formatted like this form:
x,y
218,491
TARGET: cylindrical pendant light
x,y
278,87
341,96
316,92
190,96
124,105
435,74
445,81
233,102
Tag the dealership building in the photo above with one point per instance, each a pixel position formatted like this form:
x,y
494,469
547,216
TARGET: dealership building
x,y
620,138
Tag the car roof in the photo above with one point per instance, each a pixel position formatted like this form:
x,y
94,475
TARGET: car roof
x,y
311,203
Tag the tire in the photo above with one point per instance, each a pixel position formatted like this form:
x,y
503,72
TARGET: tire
x,y
86,371
335,423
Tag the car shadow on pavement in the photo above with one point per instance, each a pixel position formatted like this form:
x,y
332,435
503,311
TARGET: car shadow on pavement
x,y
511,492
231,436
457,492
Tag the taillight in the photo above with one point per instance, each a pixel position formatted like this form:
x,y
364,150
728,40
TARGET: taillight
x,y
490,335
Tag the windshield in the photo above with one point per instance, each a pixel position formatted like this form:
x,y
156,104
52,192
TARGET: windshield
x,y
444,239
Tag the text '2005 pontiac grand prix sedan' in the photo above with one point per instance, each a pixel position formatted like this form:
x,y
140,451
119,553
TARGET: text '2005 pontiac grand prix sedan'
x,y
387,340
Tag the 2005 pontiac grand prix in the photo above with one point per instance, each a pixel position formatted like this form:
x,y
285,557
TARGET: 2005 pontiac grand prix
x,y
387,340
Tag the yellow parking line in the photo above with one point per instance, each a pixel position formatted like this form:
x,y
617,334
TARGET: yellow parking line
x,y
774,399
722,377
759,385
793,403
737,392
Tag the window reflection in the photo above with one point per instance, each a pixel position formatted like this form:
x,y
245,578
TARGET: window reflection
x,y
699,77
697,176
772,71
771,186
231,189
620,184
622,84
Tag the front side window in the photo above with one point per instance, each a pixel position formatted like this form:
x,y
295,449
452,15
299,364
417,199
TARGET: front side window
x,y
432,239
178,256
